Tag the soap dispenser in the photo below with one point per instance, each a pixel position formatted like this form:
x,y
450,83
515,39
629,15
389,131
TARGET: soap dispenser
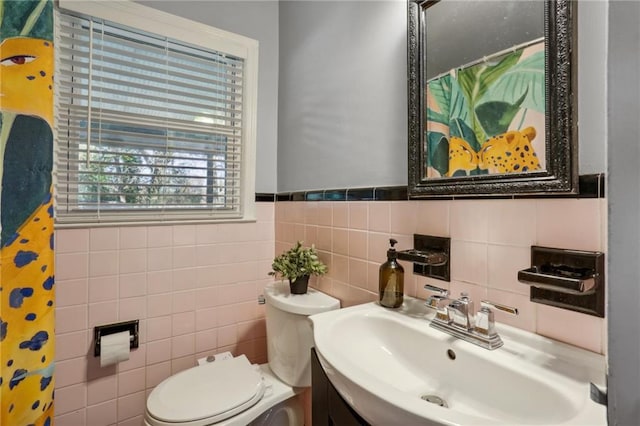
x,y
391,279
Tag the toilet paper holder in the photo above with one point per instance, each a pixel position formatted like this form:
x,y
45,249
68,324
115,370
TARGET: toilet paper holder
x,y
104,330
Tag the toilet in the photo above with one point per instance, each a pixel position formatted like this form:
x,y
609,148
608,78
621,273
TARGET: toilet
x,y
234,392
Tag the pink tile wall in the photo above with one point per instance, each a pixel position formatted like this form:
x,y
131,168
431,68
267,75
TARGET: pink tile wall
x,y
490,242
193,288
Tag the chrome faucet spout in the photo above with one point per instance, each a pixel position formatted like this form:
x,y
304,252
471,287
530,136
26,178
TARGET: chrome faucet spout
x,y
458,318
461,312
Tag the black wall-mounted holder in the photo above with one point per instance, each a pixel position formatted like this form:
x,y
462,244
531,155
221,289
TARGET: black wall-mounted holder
x,y
430,256
104,330
569,279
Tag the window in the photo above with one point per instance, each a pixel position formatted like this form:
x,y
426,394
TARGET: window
x,y
150,127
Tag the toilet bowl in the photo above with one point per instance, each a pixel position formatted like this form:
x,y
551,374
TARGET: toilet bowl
x,y
224,393
234,392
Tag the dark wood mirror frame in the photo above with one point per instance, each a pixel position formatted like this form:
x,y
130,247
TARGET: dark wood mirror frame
x,y
561,174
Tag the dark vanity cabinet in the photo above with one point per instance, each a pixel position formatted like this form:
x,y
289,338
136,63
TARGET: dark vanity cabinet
x,y
327,406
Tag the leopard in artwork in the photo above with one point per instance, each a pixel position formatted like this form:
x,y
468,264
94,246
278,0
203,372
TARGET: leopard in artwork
x,y
510,152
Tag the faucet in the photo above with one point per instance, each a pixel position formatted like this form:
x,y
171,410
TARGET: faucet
x,y
461,312
458,318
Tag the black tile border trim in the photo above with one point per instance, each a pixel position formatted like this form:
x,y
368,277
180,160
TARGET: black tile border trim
x,y
590,186
264,197
391,193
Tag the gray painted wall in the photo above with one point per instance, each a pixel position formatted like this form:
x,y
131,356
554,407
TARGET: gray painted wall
x,y
342,118
257,20
592,77
332,88
342,100
624,212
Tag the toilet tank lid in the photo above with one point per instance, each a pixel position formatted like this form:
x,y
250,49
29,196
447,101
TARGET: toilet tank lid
x,y
312,302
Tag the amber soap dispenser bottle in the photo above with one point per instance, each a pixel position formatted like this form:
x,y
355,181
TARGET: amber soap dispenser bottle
x,y
391,279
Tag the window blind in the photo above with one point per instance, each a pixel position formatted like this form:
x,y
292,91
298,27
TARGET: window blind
x,y
147,126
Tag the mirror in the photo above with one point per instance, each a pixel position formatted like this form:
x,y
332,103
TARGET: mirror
x,y
492,97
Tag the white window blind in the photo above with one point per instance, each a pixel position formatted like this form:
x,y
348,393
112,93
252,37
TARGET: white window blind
x,y
148,127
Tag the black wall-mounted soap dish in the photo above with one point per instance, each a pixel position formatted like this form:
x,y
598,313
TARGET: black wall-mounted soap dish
x,y
424,257
560,278
430,256
569,279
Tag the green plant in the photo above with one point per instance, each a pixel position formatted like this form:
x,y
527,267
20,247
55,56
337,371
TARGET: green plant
x,y
297,262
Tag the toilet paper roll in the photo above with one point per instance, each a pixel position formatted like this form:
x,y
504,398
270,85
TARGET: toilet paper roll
x,y
114,348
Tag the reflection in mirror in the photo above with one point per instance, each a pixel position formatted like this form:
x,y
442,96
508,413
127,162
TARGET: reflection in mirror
x,y
490,101
457,35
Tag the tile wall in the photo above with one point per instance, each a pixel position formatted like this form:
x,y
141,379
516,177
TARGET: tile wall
x,y
490,242
193,287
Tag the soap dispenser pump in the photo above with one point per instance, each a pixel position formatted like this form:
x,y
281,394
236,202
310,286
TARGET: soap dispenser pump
x,y
391,279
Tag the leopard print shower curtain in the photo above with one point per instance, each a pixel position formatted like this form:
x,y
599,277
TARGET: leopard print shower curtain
x,y
27,298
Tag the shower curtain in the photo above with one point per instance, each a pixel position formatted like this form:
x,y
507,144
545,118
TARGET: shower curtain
x,y
27,298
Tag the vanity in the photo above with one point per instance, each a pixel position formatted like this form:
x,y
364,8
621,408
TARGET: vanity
x,y
328,407
379,366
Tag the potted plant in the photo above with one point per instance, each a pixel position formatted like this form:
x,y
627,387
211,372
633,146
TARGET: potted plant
x,y
297,265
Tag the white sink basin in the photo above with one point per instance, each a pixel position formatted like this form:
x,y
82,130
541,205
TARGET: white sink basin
x,y
383,361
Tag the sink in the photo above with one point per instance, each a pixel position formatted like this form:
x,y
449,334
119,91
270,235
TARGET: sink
x,y
393,369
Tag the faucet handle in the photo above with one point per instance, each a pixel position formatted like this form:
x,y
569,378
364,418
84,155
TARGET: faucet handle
x,y
485,323
502,308
438,302
440,291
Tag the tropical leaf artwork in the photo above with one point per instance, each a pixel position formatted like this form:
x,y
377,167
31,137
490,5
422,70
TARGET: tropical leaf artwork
x,y
488,118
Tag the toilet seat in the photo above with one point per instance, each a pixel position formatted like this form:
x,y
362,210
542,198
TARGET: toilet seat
x,y
206,394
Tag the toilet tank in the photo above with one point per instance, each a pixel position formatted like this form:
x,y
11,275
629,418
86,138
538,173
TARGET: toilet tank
x,y
289,332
